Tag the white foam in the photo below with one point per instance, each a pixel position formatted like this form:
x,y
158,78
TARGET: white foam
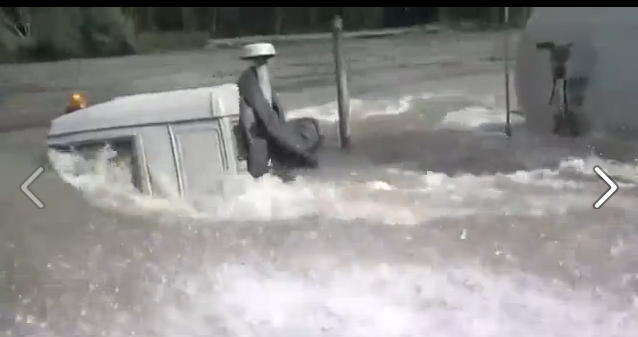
x,y
109,185
613,168
385,300
471,117
364,108
476,117
427,196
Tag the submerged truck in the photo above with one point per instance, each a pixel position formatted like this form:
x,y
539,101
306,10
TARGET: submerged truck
x,y
186,135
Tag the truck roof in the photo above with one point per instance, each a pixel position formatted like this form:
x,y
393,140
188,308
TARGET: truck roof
x,y
151,108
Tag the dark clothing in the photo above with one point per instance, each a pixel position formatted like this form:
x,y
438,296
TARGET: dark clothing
x,y
268,137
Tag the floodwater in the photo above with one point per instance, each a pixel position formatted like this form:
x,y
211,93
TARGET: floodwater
x,y
435,225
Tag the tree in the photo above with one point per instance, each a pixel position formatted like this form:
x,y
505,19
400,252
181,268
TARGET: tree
x,y
280,15
313,16
212,28
62,32
95,31
189,22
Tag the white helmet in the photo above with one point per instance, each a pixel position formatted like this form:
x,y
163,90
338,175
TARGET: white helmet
x,y
255,50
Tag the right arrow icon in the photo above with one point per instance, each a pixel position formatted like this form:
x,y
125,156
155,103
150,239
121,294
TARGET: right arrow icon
x,y
613,187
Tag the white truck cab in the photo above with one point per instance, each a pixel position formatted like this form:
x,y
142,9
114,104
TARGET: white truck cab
x,y
186,135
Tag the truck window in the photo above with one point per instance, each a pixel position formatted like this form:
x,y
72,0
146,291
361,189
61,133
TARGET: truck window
x,y
201,150
120,155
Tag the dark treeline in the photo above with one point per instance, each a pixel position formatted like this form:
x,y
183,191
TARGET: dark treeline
x,y
63,32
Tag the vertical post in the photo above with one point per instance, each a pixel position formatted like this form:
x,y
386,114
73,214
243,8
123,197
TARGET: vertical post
x,y
508,126
524,16
343,95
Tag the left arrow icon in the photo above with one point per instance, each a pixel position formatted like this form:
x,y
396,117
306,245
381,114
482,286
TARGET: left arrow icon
x,y
25,187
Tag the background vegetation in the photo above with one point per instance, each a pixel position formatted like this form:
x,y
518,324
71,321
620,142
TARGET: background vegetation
x,y
49,33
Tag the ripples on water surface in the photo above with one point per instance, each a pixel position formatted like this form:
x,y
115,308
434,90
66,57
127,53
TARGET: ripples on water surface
x,y
358,251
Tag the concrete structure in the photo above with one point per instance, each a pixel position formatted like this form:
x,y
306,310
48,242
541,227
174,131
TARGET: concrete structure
x,y
602,68
184,135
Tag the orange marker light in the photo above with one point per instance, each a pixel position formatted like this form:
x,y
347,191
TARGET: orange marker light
x,y
77,102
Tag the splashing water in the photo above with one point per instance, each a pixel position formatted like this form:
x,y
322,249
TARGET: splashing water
x,y
429,195
313,260
391,300
391,195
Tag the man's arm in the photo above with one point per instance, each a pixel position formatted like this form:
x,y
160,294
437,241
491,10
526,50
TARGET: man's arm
x,y
276,103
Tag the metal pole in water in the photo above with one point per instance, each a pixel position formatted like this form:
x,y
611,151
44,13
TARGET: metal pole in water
x,y
343,95
508,126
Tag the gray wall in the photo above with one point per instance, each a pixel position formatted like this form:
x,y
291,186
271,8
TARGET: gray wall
x,y
604,53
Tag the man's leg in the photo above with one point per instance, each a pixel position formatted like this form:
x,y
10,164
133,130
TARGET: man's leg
x,y
258,157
